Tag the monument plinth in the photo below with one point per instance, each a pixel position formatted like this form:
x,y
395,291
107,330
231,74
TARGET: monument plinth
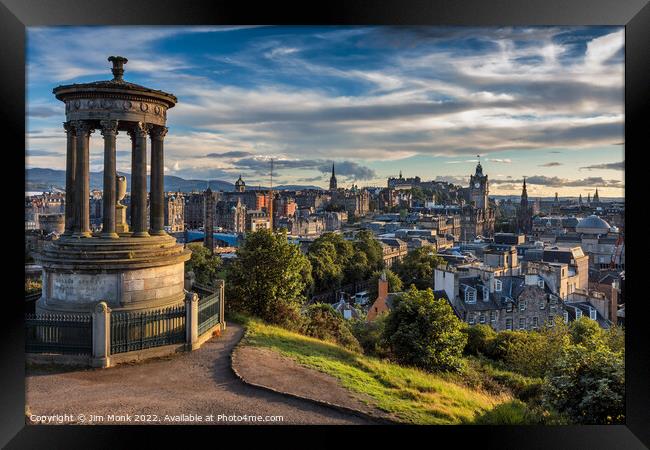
x,y
129,269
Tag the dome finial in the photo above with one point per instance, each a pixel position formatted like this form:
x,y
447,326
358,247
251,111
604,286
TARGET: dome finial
x,y
118,66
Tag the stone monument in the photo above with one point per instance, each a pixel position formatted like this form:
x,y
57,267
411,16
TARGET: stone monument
x,y
131,270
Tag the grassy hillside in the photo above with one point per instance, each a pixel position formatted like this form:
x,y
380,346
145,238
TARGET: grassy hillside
x,y
411,395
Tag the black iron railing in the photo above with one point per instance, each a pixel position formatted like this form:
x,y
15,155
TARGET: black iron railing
x,y
209,312
58,333
138,331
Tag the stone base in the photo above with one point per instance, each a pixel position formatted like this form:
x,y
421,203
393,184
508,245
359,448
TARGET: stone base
x,y
129,274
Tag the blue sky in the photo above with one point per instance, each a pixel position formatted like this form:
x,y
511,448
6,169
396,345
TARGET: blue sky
x,y
541,102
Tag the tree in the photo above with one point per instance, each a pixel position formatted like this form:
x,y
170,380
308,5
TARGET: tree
x,y
369,334
322,321
366,243
326,270
424,332
268,278
204,265
418,266
479,339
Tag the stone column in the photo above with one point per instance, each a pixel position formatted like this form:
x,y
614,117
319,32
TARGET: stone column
x,y
157,196
101,335
81,227
70,173
139,180
109,131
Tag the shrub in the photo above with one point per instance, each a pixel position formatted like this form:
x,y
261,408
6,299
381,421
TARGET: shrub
x,y
588,385
479,339
424,332
322,321
370,335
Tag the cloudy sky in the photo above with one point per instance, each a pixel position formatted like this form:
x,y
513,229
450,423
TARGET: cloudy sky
x,y
544,102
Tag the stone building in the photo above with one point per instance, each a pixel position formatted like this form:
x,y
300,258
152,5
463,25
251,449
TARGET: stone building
x,y
257,220
194,210
231,215
393,250
51,223
505,303
175,212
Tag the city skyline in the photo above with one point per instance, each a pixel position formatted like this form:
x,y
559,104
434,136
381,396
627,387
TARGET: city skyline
x,y
542,102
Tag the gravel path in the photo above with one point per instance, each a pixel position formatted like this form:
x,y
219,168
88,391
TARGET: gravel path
x,y
199,383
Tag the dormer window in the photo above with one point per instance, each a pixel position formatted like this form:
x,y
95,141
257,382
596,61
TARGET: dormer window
x,y
470,295
540,283
592,313
486,294
498,285
566,316
578,313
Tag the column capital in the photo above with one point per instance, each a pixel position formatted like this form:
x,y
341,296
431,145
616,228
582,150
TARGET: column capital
x,y
109,127
140,130
158,132
82,127
69,128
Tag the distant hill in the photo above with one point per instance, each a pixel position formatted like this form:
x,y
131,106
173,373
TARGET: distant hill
x,y
39,179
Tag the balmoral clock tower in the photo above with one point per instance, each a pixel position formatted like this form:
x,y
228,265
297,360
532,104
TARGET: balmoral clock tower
x,y
478,188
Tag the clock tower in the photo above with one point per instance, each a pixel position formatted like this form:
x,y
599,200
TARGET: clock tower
x,y
478,188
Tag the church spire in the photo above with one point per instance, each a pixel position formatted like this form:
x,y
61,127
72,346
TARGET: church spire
x,y
596,199
333,180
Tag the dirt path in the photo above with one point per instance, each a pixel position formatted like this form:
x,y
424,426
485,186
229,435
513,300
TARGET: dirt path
x,y
265,367
199,383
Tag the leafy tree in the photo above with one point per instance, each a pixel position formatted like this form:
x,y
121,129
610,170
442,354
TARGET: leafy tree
x,y
424,332
588,384
204,265
366,243
326,270
322,321
268,278
418,194
587,332
418,266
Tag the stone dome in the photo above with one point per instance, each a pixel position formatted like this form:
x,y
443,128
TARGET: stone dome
x,y
592,225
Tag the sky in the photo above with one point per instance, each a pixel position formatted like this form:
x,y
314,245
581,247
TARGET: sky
x,y
546,103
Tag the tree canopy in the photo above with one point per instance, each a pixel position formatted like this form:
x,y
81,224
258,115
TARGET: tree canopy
x,y
204,265
418,266
423,331
269,277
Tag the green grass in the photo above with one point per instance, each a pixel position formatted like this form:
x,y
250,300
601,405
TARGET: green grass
x,y
408,394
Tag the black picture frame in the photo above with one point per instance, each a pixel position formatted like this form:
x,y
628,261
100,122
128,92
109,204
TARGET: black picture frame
x,y
16,15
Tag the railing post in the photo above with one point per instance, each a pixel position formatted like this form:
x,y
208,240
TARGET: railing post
x,y
222,301
192,320
101,335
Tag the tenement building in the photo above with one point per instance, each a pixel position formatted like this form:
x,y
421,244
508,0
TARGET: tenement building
x,y
135,270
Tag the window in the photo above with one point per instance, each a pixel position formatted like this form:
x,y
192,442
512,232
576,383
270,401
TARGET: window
x,y
486,294
493,316
592,313
578,313
508,306
508,324
542,303
522,305
522,323
498,285
566,316
535,322
540,283
470,295
470,319
482,318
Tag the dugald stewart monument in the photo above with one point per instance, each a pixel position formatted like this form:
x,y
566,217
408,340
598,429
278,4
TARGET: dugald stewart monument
x,y
132,269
